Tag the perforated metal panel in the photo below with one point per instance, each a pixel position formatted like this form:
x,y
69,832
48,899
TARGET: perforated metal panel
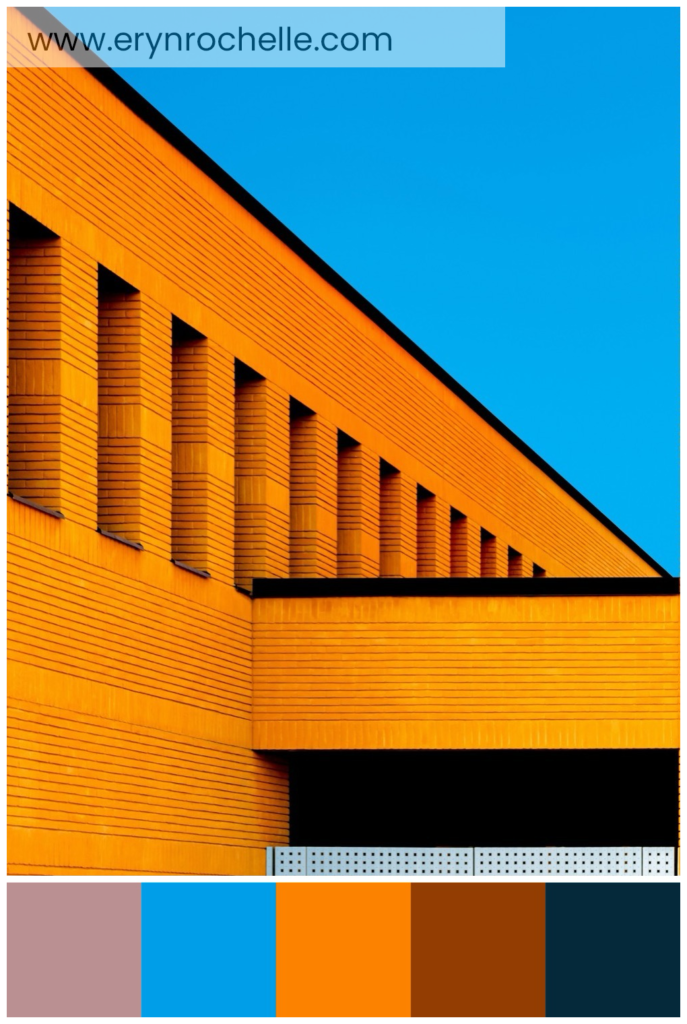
x,y
378,861
558,860
658,860
290,860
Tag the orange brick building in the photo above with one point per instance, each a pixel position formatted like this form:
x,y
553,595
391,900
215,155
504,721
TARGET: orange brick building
x,y
197,402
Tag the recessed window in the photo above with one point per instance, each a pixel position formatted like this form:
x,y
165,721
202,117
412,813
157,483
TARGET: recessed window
x,y
34,406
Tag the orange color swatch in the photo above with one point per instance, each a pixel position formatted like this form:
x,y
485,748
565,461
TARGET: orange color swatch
x,y
343,950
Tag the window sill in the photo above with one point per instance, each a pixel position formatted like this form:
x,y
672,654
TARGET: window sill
x,y
203,573
34,504
120,540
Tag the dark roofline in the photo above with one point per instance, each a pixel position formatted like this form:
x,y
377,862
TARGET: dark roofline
x,y
159,123
578,586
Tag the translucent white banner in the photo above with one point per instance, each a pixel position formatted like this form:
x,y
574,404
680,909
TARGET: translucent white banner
x,y
270,37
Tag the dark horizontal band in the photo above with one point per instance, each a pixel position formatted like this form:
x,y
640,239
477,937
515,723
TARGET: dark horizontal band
x,y
649,586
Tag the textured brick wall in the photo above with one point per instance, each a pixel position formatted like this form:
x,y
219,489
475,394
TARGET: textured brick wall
x,y
358,512
203,458
313,482
262,481
485,672
129,675
126,198
398,525
433,537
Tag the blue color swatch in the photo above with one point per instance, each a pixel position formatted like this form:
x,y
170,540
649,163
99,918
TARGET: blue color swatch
x,y
208,949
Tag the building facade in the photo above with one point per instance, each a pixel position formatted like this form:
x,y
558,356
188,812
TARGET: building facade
x,y
197,403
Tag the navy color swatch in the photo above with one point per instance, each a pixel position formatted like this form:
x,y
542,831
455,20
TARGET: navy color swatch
x,y
613,949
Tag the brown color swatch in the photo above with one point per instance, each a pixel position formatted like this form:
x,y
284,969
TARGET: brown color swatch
x,y
73,949
478,949
343,949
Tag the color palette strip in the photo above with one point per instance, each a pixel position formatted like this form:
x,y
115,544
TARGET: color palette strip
x,y
343,949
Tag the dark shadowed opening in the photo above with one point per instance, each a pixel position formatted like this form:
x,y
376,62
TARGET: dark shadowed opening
x,y
484,798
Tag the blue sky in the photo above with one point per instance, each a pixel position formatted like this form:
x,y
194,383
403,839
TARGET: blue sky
x,y
521,225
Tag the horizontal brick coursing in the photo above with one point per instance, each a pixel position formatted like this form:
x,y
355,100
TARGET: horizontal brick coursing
x,y
313,484
466,671
129,689
139,196
121,664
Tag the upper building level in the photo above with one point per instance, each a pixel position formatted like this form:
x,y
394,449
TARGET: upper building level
x,y
188,376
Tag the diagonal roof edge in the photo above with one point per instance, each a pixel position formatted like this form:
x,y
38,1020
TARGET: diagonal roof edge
x,y
45,21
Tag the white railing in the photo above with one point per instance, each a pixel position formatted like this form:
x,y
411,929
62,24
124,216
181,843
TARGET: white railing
x,y
471,860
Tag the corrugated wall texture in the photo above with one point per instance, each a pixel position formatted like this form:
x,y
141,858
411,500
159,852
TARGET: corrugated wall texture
x,y
466,672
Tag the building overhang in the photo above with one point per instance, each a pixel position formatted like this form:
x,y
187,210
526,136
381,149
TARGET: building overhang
x,y
466,663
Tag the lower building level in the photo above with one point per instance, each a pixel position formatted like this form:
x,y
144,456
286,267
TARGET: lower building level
x,y
160,722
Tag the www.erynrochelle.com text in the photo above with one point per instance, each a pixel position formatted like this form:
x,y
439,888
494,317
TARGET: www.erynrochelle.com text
x,y
282,40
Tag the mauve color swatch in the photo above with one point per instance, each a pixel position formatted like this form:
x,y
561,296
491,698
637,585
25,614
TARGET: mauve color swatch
x,y
73,949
